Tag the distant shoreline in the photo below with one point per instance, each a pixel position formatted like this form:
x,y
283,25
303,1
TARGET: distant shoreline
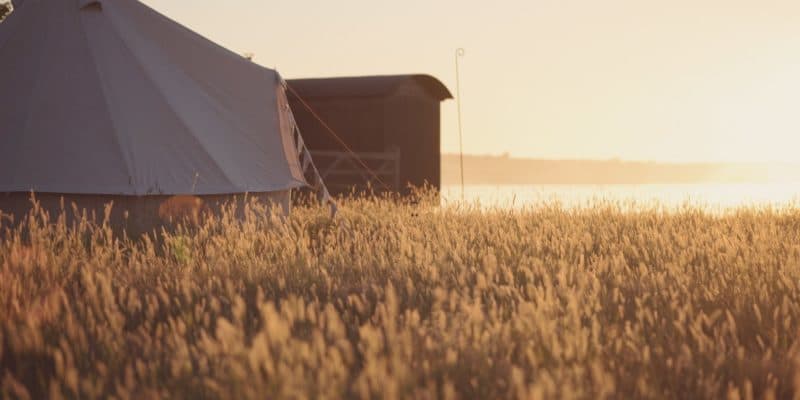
x,y
508,170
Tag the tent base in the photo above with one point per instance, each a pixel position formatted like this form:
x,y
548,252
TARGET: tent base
x,y
134,215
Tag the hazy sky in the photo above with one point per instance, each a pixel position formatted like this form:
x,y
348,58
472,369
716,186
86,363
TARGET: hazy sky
x,y
680,80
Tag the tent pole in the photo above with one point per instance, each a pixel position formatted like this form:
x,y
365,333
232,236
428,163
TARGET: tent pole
x,y
460,53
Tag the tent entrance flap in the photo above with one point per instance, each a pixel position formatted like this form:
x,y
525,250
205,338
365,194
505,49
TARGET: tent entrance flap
x,y
310,171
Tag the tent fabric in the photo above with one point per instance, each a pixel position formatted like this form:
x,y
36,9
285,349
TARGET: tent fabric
x,y
110,97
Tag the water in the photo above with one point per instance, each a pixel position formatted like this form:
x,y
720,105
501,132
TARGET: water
x,y
709,196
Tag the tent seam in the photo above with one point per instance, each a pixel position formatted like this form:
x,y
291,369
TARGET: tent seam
x,y
37,85
161,93
131,169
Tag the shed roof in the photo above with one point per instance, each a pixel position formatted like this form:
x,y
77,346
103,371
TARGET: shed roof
x,y
367,86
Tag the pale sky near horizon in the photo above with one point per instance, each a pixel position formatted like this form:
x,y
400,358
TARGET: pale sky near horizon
x,y
684,80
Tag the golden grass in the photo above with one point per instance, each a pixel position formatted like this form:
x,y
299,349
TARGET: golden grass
x,y
408,301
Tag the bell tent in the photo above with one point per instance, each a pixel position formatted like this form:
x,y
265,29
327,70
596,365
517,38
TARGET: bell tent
x,y
111,101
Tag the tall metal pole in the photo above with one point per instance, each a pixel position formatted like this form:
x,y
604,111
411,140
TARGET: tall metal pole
x,y
460,53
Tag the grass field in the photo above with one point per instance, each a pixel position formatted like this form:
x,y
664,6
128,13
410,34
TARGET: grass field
x,y
408,301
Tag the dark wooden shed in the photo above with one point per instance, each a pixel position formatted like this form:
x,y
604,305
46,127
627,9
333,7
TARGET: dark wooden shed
x,y
392,123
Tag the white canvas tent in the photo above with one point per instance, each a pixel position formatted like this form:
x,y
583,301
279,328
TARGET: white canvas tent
x,y
111,98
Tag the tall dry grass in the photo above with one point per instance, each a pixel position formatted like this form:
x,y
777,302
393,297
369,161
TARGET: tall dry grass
x,y
407,301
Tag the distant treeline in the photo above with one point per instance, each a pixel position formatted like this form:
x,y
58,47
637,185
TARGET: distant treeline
x,y
509,170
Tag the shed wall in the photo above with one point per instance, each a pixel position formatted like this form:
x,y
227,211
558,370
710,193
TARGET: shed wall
x,y
357,121
412,124
407,119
